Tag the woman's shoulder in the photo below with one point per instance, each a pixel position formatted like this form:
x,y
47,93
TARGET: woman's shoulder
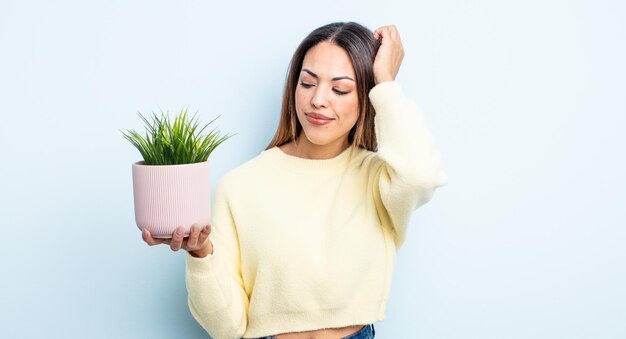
x,y
248,170
366,158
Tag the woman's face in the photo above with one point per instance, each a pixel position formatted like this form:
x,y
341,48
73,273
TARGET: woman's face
x,y
326,97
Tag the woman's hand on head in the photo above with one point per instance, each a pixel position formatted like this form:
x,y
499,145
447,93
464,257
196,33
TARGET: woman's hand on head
x,y
389,56
197,243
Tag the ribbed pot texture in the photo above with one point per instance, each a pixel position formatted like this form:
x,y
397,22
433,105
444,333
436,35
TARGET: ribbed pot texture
x,y
171,195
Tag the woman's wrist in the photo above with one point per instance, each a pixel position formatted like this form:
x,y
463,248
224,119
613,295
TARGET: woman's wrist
x,y
383,78
202,252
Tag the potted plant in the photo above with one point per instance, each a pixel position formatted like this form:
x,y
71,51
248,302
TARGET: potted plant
x,y
171,186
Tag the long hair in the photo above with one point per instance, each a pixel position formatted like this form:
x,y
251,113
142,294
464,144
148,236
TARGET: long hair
x,y
361,47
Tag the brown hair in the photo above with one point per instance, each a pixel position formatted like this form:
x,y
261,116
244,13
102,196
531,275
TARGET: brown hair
x,y
361,47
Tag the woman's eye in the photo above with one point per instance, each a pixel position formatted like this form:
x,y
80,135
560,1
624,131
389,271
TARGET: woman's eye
x,y
305,85
340,92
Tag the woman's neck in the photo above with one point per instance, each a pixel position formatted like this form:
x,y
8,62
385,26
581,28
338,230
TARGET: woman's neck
x,y
303,148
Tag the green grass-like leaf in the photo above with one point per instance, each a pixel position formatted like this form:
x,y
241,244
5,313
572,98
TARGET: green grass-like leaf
x,y
175,143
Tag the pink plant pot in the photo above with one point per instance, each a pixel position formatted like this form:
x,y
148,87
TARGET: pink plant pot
x,y
170,196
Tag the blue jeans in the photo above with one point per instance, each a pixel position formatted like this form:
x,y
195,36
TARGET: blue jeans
x,y
367,332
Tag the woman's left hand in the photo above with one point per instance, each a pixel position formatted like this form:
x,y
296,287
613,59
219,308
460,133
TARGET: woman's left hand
x,y
389,56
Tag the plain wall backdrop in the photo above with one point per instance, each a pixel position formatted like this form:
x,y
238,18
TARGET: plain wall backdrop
x,y
527,101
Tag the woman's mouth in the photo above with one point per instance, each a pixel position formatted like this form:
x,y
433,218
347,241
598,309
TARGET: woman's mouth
x,y
318,119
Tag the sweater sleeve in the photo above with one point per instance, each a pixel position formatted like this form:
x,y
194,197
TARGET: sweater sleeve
x,y
410,169
217,298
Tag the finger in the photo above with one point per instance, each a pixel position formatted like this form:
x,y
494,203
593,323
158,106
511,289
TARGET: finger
x,y
393,30
378,33
389,32
147,237
206,230
192,242
177,239
383,28
384,35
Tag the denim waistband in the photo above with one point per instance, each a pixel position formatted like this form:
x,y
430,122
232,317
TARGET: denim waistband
x,y
367,332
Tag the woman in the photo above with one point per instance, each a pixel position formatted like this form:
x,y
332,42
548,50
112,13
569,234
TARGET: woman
x,y
305,234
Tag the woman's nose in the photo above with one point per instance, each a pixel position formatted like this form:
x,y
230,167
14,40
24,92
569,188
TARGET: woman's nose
x,y
319,98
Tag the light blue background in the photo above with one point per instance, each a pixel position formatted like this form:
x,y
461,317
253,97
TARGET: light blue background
x,y
526,100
